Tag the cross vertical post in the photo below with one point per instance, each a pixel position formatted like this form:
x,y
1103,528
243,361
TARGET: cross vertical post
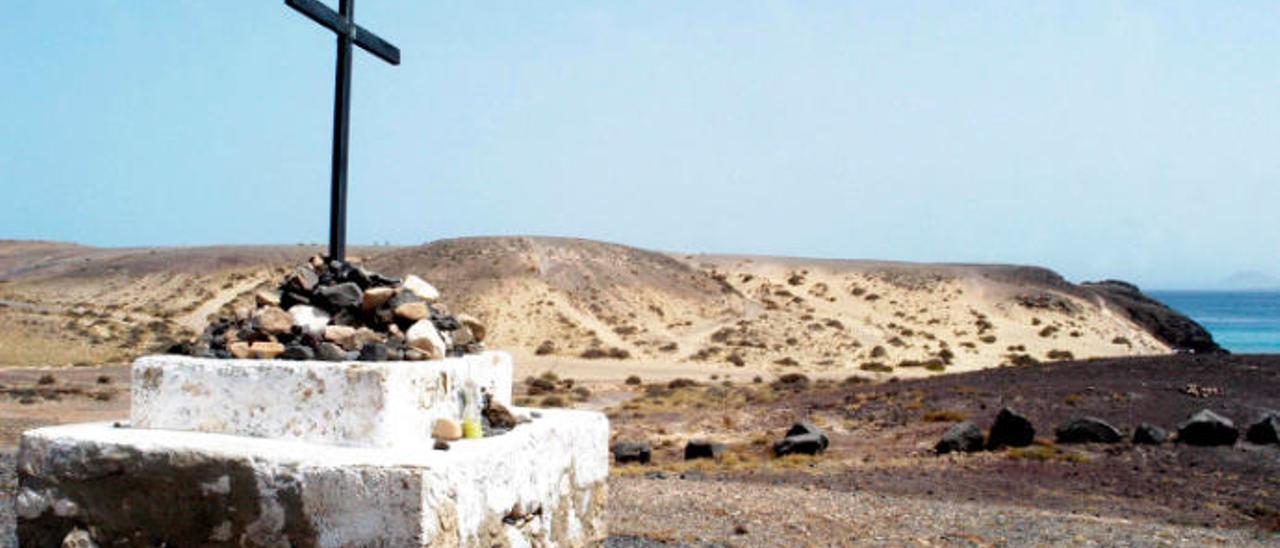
x,y
348,33
341,137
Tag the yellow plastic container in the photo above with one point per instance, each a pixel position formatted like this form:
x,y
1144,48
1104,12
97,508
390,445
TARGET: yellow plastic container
x,y
471,429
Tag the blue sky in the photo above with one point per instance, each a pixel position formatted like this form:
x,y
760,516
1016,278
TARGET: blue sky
x,y
1136,140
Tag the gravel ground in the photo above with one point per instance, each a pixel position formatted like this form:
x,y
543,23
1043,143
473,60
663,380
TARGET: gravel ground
x,y
663,512
745,514
8,484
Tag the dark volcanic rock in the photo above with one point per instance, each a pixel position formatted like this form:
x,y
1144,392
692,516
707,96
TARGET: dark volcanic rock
x,y
1266,431
400,298
297,352
632,451
1166,324
289,299
1150,434
1087,430
1010,429
330,352
964,437
806,427
703,449
373,352
802,438
303,280
801,444
344,295
1207,428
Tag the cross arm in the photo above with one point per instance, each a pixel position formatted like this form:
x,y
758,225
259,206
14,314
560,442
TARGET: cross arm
x,y
330,19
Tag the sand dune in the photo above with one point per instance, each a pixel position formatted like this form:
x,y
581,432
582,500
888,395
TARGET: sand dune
x,y
558,298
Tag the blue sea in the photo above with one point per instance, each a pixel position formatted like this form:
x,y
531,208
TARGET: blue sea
x,y
1244,322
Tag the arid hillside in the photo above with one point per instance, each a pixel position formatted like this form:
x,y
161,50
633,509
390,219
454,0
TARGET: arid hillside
x,y
554,297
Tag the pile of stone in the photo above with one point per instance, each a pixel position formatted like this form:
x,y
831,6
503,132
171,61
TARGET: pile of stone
x,y
333,310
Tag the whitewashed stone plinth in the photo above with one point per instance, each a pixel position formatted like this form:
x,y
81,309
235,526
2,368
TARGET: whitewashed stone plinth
x,y
365,404
542,484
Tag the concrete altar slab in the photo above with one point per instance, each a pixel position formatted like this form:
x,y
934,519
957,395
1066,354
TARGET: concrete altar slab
x,y
362,404
542,484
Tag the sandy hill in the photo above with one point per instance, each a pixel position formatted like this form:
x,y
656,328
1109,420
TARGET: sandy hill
x,y
559,297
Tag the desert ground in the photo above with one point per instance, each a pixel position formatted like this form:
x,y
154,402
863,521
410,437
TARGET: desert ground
x,y
883,356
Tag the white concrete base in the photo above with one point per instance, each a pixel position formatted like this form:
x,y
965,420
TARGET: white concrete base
x,y
368,404
542,484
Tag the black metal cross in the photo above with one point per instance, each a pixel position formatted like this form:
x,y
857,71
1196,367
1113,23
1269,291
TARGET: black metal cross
x,y
343,24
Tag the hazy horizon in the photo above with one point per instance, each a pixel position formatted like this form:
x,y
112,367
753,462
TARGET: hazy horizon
x,y
1098,139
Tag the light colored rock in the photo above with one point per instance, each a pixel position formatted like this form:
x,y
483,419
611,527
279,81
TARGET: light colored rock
x,y
265,350
424,336
421,288
375,296
312,319
78,538
377,404
239,350
273,320
446,429
364,336
267,298
341,335
477,328
30,503
462,336
301,494
412,311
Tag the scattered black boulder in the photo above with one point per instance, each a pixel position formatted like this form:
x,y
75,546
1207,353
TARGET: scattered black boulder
x,y
964,437
1087,430
806,427
800,444
1010,430
703,449
1207,428
1266,431
804,438
1150,434
632,451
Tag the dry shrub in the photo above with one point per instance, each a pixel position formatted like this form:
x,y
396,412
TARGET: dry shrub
x,y
945,415
547,347
554,401
875,367
1060,355
791,381
682,383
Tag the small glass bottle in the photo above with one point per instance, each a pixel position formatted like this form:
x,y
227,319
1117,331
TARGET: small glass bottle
x,y
471,425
